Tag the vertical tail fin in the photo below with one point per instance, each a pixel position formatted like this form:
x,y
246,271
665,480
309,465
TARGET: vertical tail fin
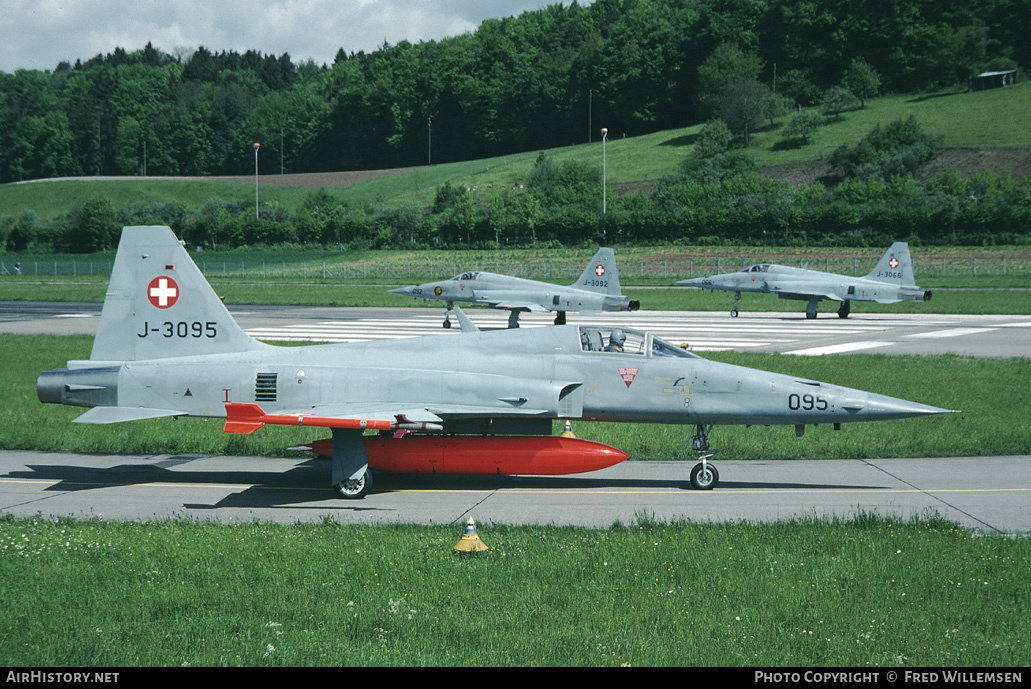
x,y
895,266
159,305
601,274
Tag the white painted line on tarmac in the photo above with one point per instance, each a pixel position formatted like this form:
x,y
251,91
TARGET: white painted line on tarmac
x,y
839,348
953,332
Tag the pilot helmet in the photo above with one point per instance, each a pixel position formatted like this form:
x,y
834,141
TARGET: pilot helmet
x,y
618,337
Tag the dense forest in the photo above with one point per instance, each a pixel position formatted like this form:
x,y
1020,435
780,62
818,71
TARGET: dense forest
x,y
543,79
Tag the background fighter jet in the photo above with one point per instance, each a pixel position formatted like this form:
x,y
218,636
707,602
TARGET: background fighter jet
x,y
596,290
475,402
891,281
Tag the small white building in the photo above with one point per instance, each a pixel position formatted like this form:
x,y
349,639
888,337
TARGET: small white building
x,y
993,80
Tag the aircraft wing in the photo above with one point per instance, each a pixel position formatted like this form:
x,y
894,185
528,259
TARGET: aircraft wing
x,y
244,417
506,299
797,290
520,306
102,415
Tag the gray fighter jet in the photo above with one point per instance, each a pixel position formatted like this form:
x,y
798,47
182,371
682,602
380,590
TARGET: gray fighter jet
x,y
597,290
470,402
889,282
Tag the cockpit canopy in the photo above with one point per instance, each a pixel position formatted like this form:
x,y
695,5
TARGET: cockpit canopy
x,y
757,268
466,277
595,338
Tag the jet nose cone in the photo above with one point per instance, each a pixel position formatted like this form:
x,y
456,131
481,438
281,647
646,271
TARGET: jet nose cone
x,y
693,282
884,407
403,291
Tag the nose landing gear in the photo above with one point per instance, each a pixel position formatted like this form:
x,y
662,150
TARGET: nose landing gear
x,y
704,475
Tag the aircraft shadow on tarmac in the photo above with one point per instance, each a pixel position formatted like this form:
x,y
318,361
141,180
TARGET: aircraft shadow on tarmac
x,y
395,482
308,482
830,317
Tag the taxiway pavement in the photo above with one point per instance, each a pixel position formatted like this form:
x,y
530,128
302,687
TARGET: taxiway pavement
x,y
984,494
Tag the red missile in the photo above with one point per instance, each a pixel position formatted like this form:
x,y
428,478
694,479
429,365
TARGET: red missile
x,y
501,455
247,418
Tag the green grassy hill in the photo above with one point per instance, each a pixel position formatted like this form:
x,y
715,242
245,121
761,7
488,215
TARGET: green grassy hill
x,y
990,124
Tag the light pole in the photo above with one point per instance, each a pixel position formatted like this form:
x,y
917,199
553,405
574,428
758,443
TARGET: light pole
x,y
256,147
604,138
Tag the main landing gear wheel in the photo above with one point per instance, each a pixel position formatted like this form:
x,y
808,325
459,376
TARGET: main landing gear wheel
x,y
844,309
704,476
353,489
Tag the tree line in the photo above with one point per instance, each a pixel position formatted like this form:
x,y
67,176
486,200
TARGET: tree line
x,y
869,198
546,78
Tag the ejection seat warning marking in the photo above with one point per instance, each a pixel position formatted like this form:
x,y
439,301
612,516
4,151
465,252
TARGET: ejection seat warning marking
x,y
628,375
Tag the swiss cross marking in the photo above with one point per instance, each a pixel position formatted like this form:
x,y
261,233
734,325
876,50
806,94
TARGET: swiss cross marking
x,y
163,292
599,270
893,263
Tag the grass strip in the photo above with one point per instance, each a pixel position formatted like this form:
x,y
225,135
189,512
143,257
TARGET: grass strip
x,y
865,592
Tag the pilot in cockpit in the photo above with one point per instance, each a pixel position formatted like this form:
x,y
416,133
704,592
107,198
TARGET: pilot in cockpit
x,y
616,340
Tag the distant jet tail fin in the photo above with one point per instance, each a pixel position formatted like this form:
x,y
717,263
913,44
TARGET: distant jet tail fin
x,y
601,274
895,266
159,305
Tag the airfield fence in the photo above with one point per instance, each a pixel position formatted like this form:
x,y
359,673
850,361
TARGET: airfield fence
x,y
561,271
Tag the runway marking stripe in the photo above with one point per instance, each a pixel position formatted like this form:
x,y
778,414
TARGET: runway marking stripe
x,y
954,332
839,348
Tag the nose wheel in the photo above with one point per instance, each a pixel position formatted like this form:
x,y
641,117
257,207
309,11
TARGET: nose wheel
x,y
733,309
447,315
704,475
